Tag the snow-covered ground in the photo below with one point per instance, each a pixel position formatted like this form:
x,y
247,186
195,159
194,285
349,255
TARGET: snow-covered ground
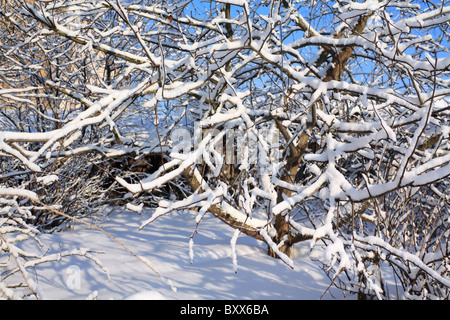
x,y
165,245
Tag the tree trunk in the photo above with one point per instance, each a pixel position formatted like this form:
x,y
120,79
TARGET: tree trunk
x,y
283,229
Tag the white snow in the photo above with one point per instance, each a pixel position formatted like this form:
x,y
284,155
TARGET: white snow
x,y
135,208
146,295
47,179
225,266
18,192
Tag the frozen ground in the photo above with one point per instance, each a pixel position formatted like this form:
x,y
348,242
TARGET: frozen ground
x,y
165,245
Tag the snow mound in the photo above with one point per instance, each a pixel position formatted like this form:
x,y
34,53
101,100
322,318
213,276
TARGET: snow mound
x,y
147,295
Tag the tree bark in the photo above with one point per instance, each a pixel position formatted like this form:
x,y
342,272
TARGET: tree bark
x,y
283,230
